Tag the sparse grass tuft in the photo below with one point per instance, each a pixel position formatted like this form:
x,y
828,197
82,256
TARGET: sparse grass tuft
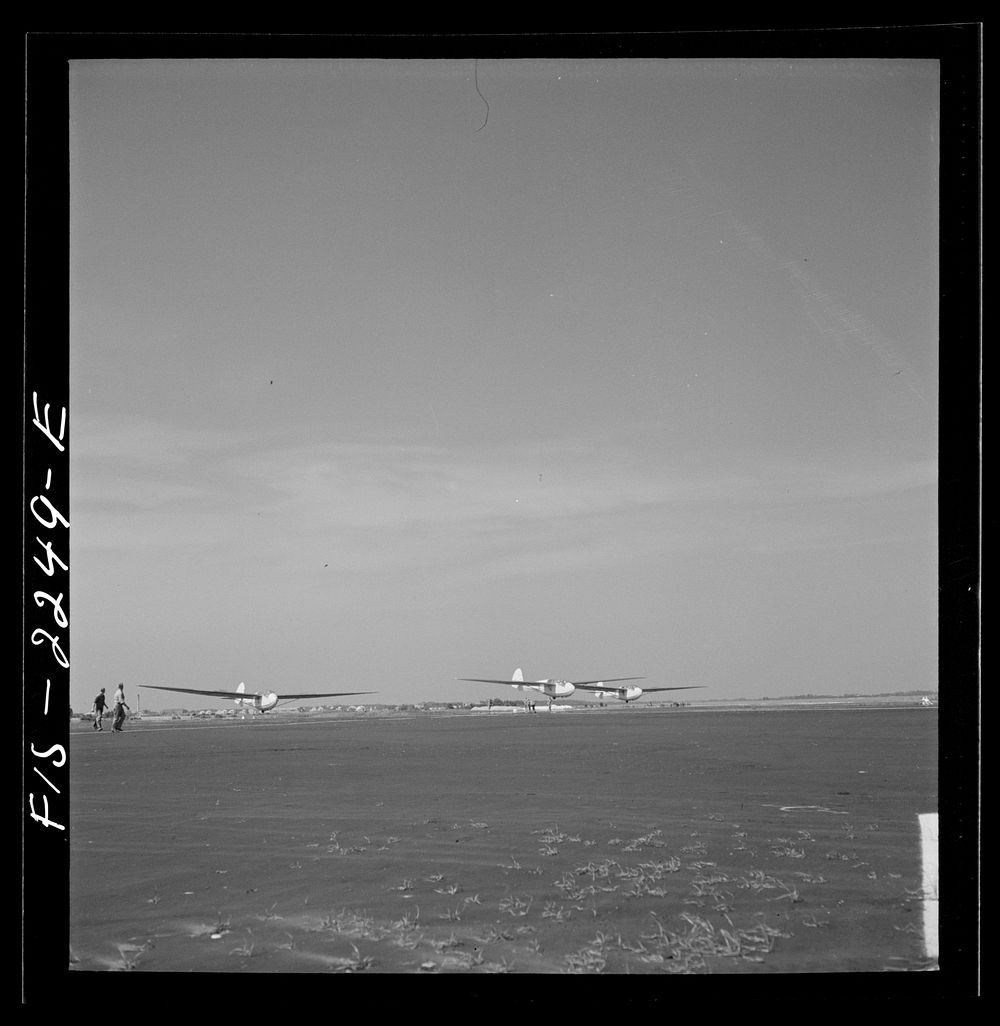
x,y
130,955
246,949
355,964
515,906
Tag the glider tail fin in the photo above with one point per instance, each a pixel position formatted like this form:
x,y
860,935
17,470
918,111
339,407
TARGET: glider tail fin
x,y
241,688
517,675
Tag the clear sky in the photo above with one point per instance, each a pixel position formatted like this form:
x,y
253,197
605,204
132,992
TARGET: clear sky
x,y
604,368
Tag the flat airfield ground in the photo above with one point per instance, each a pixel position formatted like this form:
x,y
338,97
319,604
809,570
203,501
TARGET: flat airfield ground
x,y
627,840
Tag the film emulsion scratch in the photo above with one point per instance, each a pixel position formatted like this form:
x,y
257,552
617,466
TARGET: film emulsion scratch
x,y
486,116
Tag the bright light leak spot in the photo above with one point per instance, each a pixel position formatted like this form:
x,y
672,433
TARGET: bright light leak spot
x,y
929,851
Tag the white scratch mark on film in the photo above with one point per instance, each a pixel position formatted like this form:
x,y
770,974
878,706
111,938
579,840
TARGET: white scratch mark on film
x,y
929,851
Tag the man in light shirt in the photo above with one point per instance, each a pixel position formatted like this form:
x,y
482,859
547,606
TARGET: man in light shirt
x,y
120,707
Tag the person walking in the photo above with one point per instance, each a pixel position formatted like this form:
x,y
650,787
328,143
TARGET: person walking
x,y
120,706
99,704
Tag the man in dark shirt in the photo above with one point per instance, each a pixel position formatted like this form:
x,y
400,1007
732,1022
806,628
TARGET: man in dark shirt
x,y
99,704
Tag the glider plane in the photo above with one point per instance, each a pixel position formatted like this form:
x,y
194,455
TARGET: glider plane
x,y
556,689
629,694
259,701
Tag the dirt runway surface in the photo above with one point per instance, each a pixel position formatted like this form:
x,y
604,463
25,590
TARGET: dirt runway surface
x,y
632,840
